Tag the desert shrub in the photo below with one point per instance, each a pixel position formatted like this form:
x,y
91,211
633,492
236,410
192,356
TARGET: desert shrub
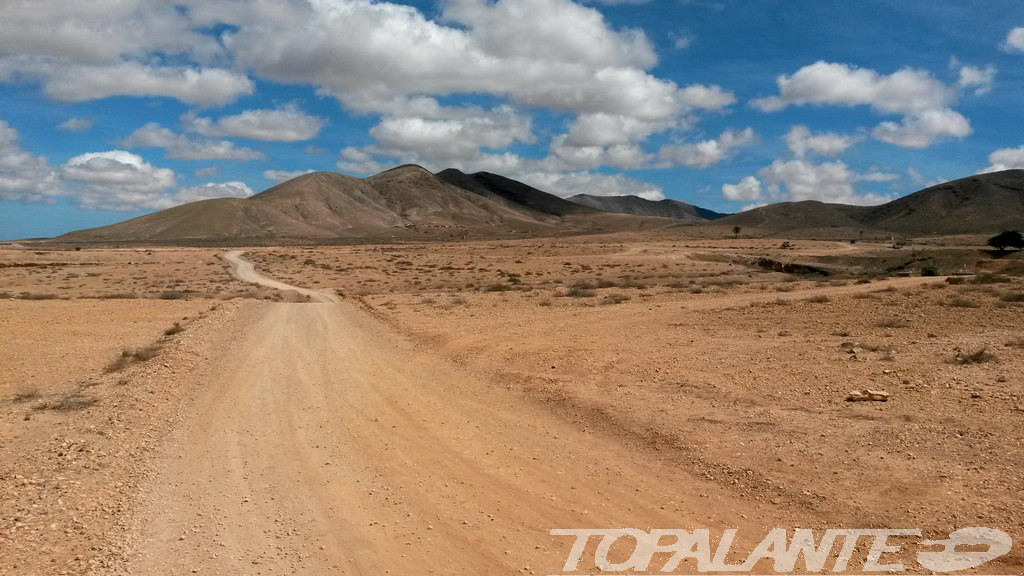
x,y
1014,297
929,271
577,292
978,356
819,299
38,296
26,395
605,283
497,287
988,278
68,402
615,299
176,329
960,302
173,295
129,356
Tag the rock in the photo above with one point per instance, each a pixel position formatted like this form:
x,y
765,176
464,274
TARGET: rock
x,y
867,396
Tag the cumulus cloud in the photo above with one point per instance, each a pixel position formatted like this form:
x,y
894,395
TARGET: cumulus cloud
x,y
121,180
798,180
567,184
379,58
922,101
208,191
708,152
75,125
749,188
279,176
24,177
285,124
1015,40
88,50
802,142
117,180
978,80
181,147
922,130
1006,159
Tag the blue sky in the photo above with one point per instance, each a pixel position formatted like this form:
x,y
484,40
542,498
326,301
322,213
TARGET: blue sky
x,y
110,110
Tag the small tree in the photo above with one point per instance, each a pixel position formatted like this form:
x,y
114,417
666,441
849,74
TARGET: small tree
x,y
736,230
1007,239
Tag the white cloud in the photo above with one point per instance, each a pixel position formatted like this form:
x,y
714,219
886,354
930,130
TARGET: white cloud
x,y
1015,40
980,80
284,175
708,152
798,180
117,180
922,130
359,161
567,184
285,124
207,172
179,146
87,50
389,59
81,83
802,142
210,190
749,188
922,101
24,177
454,133
1006,159
75,125
682,41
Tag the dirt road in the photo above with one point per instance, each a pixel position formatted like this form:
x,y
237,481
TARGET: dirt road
x,y
328,444
245,271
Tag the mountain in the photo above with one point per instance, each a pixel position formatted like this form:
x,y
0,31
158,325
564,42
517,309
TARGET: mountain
x,y
493,186
407,202
977,204
642,207
981,204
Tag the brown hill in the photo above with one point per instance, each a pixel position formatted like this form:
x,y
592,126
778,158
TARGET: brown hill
x,y
642,207
494,187
405,202
982,204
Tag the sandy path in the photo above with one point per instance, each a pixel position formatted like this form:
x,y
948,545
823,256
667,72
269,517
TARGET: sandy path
x,y
246,272
325,443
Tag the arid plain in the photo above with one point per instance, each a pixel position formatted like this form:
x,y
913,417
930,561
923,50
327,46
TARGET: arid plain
x,y
474,395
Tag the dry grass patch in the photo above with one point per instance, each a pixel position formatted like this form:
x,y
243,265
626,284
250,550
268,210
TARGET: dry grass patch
x,y
130,356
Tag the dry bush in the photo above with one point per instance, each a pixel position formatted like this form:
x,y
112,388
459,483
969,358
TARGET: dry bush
x,y
38,296
176,329
26,395
68,402
987,278
615,299
819,299
1012,297
577,292
959,302
128,357
979,356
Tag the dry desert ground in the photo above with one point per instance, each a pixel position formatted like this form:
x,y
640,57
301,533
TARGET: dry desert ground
x,y
437,408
